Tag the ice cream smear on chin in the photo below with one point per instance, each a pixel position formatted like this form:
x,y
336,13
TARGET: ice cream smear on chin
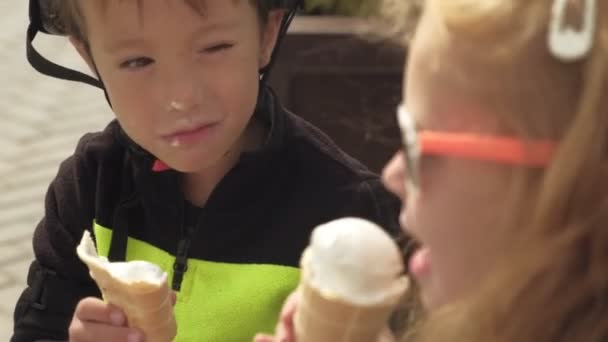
x,y
175,142
355,260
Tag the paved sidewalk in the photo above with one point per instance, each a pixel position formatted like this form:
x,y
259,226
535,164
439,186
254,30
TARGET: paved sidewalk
x,y
41,120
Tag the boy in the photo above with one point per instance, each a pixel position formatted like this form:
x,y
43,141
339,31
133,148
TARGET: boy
x,y
203,173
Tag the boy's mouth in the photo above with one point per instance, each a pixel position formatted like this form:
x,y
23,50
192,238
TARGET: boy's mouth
x,y
184,137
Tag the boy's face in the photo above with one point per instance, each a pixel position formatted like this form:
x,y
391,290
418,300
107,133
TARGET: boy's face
x,y
183,84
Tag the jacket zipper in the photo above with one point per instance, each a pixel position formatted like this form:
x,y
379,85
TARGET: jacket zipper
x,y
180,266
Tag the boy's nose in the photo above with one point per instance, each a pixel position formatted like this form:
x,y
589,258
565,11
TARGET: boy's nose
x,y
182,92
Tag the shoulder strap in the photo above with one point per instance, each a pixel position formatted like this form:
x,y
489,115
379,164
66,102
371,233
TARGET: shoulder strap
x,y
42,19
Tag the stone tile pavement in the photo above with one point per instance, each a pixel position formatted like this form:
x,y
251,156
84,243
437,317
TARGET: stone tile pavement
x,y
41,120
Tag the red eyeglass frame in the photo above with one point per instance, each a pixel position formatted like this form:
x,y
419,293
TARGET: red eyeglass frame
x,y
490,148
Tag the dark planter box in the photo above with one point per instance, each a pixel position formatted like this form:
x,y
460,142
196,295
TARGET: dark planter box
x,y
346,84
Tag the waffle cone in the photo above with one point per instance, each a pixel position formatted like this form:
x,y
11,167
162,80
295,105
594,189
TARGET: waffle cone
x,y
147,306
321,317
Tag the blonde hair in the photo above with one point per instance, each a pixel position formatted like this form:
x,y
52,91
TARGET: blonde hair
x,y
553,285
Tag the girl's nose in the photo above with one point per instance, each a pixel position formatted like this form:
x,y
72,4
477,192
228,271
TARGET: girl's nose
x,y
393,175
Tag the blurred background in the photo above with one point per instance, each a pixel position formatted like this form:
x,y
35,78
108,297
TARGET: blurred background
x,y
41,120
346,84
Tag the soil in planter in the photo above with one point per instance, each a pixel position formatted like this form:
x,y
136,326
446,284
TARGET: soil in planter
x,y
347,86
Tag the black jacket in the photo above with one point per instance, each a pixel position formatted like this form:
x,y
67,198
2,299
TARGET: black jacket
x,y
262,212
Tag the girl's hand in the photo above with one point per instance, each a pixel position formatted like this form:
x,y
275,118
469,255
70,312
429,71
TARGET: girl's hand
x,y
285,329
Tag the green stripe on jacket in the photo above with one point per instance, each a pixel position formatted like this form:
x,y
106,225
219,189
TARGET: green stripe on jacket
x,y
220,302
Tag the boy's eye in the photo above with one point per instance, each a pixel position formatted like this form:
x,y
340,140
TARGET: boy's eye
x,y
136,63
218,47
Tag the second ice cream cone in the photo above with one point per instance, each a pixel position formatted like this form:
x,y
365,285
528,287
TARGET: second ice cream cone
x,y
325,317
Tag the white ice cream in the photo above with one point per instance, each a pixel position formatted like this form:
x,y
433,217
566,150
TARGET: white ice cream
x,y
355,260
126,272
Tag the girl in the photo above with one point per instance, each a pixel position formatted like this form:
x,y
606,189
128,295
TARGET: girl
x,y
505,170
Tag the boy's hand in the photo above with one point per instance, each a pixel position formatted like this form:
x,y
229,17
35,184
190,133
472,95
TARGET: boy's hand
x,y
96,320
285,329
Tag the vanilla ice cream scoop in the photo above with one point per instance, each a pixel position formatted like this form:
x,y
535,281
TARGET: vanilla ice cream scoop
x,y
352,280
126,272
355,260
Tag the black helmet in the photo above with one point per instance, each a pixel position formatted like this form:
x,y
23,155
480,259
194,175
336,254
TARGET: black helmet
x,y
44,18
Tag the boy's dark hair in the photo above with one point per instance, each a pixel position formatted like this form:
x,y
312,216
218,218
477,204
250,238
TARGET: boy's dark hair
x,y
63,17
71,18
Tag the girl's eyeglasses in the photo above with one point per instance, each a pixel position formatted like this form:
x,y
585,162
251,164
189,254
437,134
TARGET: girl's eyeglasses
x,y
495,149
